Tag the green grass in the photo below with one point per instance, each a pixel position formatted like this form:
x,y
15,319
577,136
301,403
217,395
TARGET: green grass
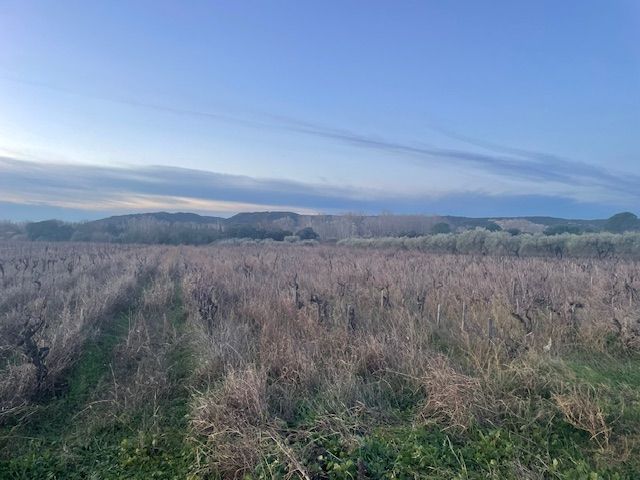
x,y
547,447
46,420
429,452
129,447
612,371
56,442
73,437
618,381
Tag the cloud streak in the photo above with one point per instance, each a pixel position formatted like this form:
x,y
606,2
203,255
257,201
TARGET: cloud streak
x,y
501,161
100,190
103,188
506,163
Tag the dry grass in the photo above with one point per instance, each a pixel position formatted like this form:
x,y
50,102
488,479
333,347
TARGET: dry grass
x,y
294,343
343,329
52,299
452,398
234,420
581,409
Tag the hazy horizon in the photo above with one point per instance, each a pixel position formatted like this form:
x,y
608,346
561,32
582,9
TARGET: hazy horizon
x,y
464,109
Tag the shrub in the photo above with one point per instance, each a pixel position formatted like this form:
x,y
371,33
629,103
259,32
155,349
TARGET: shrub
x,y
560,229
307,233
483,242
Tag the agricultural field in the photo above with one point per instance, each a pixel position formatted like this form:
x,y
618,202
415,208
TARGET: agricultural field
x,y
263,361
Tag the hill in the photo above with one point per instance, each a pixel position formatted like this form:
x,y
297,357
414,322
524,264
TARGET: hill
x,y
179,217
191,228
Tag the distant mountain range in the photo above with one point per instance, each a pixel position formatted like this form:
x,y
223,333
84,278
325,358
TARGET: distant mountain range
x,y
164,227
274,218
419,223
181,217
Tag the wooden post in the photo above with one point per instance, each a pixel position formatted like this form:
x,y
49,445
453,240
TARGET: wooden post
x,y
464,314
351,317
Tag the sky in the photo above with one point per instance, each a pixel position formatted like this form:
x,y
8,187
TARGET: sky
x,y
468,108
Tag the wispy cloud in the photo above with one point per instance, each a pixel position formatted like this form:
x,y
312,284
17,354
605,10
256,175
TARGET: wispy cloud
x,y
530,182
131,202
503,162
106,190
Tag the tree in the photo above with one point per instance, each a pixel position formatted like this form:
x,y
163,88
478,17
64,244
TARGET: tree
x,y
441,227
255,233
472,241
493,227
307,233
560,229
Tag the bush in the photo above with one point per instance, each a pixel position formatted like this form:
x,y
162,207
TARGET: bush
x,y
255,233
307,233
483,242
560,229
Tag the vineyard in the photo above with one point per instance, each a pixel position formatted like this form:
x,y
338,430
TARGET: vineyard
x,y
313,361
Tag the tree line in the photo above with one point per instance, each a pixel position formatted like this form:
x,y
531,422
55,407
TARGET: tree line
x,y
483,242
147,231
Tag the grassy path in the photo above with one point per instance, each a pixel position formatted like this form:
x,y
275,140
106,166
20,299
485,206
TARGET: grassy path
x,y
83,434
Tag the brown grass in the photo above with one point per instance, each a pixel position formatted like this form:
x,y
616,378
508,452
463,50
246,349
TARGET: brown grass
x,y
581,409
353,334
352,329
453,399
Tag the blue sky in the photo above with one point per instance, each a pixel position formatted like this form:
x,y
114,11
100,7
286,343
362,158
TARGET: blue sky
x,y
466,108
